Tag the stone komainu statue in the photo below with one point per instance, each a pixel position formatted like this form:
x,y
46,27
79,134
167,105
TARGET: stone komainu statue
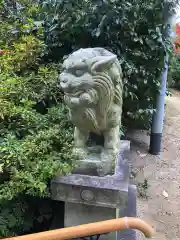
x,y
92,83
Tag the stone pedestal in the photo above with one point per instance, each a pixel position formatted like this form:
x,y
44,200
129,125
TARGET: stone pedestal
x,y
78,214
93,198
129,211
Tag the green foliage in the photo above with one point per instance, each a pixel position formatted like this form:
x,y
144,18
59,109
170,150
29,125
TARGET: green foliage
x,y
134,30
35,134
174,73
20,214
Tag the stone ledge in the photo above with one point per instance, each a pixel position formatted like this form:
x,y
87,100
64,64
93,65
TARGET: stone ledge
x,y
102,197
114,182
108,191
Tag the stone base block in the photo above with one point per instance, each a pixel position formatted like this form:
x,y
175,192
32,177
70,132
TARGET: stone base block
x,y
96,165
77,214
129,211
109,191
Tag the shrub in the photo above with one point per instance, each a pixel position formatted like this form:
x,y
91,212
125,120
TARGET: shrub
x,y
134,30
174,73
35,134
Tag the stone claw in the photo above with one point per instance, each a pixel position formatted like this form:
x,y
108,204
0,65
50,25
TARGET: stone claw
x,y
81,153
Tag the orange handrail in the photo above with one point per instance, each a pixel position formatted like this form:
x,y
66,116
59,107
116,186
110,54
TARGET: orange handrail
x,y
90,230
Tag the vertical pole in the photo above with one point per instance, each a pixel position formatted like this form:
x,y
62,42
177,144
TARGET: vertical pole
x,y
158,116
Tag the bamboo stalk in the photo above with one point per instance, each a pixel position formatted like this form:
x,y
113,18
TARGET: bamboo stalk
x,y
90,230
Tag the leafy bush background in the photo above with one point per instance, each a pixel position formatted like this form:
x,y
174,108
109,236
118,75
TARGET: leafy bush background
x,y
174,73
35,134
134,30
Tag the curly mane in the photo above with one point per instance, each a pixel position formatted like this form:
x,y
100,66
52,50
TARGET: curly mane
x,y
108,88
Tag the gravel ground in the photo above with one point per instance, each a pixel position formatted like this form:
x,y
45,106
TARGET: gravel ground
x,y
162,207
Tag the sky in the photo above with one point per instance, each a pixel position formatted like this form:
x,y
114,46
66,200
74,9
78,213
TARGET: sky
x,y
178,14
175,20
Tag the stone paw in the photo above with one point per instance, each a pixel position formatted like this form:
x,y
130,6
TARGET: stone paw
x,y
105,169
108,155
107,162
80,153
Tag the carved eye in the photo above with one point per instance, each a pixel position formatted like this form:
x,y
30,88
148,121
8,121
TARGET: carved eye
x,y
79,72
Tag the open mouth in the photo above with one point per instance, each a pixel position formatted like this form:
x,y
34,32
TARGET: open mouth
x,y
72,90
75,93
